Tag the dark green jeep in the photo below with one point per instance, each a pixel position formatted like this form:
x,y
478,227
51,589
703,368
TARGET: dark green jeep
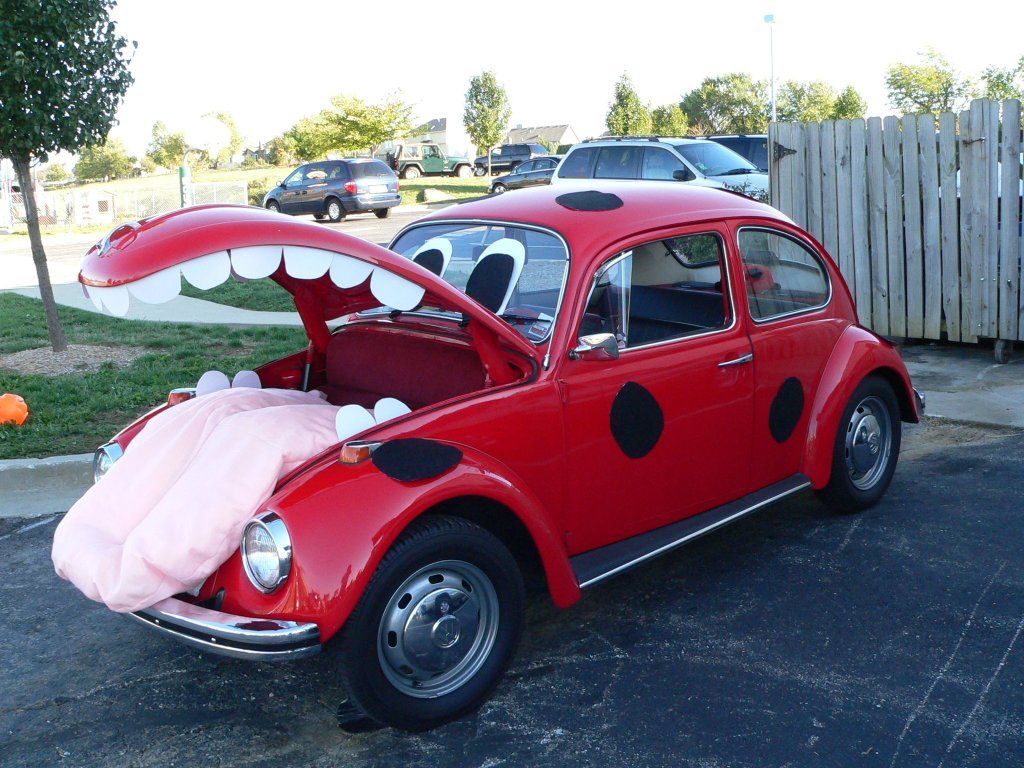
x,y
410,161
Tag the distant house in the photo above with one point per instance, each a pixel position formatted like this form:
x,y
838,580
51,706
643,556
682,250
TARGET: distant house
x,y
553,135
434,131
449,135
258,155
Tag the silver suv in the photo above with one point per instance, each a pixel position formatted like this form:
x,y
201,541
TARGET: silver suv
x,y
654,158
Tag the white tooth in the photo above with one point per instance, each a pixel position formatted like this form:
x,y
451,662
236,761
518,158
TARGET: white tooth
x,y
212,381
351,420
115,300
394,291
249,379
347,272
388,408
159,287
207,271
256,262
306,263
94,297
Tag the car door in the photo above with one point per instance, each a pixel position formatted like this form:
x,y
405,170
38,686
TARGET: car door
x,y
432,161
792,333
663,431
316,186
290,198
520,176
539,173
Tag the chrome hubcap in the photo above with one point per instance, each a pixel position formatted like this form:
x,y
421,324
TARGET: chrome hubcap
x,y
438,629
335,210
868,442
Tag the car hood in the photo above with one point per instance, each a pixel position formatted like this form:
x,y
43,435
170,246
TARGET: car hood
x,y
755,181
330,274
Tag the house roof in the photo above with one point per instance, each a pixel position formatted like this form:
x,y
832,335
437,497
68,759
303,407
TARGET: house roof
x,y
537,134
432,126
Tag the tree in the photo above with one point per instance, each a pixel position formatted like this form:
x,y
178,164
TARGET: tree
x,y
487,113
849,104
930,86
283,150
166,149
806,101
627,114
56,173
731,103
669,120
63,74
235,138
351,124
1003,84
308,138
109,160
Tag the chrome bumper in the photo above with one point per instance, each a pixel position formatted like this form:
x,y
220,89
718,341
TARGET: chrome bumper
x,y
919,396
228,635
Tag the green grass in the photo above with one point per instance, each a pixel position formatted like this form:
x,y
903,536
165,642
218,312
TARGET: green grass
x,y
453,186
265,295
77,412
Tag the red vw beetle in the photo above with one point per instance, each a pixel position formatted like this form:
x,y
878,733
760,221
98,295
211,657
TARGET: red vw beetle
x,y
595,376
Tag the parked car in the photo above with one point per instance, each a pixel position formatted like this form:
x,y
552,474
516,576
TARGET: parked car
x,y
532,173
332,189
754,147
697,359
697,161
410,161
507,157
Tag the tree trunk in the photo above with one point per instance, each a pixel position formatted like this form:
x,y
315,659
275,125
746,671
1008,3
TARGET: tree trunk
x,y
489,171
28,195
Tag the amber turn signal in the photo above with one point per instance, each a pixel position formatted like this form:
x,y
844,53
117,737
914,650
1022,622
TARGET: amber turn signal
x,y
357,451
180,395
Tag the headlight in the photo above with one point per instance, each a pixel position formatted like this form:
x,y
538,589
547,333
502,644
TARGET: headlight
x,y
266,552
104,459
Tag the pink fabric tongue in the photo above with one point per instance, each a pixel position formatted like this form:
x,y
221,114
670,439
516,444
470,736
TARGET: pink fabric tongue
x,y
172,509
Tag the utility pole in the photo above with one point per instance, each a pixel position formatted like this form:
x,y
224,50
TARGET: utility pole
x,y
770,21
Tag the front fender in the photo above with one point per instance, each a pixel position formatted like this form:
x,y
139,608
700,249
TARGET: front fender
x,y
857,354
343,519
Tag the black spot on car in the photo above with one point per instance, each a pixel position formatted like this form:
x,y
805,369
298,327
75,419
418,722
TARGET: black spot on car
x,y
591,200
410,459
787,408
636,420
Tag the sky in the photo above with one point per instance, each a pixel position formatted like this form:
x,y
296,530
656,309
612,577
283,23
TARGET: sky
x,y
268,64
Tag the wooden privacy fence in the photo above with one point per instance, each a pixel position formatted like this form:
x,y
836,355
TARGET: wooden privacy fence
x,y
923,215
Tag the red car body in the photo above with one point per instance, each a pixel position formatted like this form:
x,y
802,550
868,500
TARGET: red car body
x,y
538,460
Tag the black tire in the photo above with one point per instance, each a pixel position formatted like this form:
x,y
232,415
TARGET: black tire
x,y
480,170
463,171
429,543
272,205
319,216
498,188
381,213
335,210
850,489
411,172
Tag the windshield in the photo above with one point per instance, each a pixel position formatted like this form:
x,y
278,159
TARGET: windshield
x,y
713,159
535,296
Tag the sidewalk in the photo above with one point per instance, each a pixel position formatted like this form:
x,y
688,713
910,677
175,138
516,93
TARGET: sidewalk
x,y
182,309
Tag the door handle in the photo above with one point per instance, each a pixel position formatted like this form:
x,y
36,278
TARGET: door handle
x,y
738,361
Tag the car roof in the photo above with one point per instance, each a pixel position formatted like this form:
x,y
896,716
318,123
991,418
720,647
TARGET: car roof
x,y
645,205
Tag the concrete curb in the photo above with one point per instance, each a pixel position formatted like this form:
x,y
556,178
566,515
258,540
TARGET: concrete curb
x,y
38,487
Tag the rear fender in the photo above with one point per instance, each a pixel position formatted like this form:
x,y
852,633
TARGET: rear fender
x,y
857,354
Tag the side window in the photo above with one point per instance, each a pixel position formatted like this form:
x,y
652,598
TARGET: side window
x,y
525,167
296,176
663,290
759,153
316,173
618,163
781,274
660,164
336,171
578,164
543,165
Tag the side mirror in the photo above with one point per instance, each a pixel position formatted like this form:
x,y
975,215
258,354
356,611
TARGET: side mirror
x,y
683,174
282,185
597,346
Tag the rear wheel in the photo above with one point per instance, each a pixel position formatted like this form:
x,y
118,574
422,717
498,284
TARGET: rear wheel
x,y
866,449
335,210
464,171
479,170
436,626
381,213
410,172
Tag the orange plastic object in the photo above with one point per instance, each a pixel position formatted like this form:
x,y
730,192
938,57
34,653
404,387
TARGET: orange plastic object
x,y
13,408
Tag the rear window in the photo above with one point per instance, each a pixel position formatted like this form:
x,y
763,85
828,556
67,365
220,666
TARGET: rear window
x,y
578,164
372,168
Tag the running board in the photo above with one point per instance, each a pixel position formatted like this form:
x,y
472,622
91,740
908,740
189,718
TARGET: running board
x,y
604,562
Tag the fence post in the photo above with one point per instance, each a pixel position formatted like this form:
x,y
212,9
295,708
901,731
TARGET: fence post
x,y
1009,222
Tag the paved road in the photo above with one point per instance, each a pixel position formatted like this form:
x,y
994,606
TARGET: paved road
x,y
798,638
64,252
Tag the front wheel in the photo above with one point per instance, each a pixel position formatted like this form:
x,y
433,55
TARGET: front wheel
x,y
866,449
435,628
498,188
381,213
335,211
272,205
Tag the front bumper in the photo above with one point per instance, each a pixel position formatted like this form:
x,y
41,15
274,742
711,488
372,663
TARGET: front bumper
x,y
228,635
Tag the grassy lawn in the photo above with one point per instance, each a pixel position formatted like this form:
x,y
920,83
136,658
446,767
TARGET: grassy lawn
x,y
77,412
452,186
265,295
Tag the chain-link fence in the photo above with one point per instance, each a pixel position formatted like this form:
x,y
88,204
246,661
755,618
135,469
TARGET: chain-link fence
x,y
72,208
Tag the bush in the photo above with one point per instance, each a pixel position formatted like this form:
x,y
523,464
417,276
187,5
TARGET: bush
x,y
259,187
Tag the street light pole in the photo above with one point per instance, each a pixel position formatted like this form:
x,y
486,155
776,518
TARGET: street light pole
x,y
770,21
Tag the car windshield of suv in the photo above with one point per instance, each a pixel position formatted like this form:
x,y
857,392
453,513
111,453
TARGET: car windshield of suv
x,y
535,297
713,159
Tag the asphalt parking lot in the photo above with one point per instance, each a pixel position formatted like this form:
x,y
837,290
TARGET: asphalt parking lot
x,y
795,637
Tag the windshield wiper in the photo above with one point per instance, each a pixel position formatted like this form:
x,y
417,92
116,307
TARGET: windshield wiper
x,y
515,319
736,172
